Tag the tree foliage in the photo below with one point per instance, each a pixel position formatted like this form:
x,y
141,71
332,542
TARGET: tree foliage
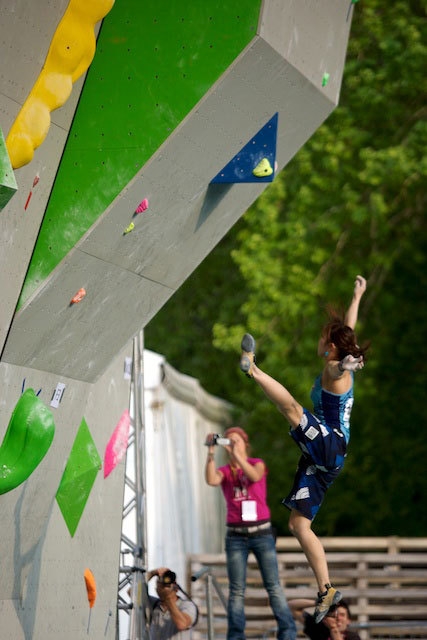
x,y
351,201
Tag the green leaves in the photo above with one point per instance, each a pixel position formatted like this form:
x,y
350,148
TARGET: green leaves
x,y
352,201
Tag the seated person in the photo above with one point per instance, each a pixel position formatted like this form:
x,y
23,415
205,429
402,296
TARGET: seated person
x,y
334,625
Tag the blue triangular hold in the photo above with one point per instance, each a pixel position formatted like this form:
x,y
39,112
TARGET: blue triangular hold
x,y
260,149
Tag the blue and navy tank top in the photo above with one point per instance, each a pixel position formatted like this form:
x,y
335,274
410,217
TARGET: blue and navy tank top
x,y
332,409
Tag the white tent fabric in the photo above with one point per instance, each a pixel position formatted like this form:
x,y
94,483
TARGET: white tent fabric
x,y
184,514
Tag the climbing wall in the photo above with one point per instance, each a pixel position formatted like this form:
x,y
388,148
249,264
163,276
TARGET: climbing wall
x,y
120,170
66,517
170,124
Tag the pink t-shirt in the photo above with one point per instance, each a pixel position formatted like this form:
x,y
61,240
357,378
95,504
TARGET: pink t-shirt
x,y
237,489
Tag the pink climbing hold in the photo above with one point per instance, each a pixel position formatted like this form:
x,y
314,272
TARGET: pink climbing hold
x,y
142,206
117,444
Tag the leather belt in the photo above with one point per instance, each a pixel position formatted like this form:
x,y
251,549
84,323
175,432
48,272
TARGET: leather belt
x,y
254,529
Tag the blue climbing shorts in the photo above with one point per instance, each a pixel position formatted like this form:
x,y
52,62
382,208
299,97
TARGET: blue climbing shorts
x,y
323,453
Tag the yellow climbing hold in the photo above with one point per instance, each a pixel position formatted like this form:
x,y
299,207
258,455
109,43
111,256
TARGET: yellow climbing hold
x,y
70,54
263,169
130,228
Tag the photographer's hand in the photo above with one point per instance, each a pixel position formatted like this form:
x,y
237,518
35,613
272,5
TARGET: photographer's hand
x,y
156,572
331,623
210,442
168,596
213,477
239,457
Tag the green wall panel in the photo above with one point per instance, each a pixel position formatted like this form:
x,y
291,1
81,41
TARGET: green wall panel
x,y
154,61
8,186
79,475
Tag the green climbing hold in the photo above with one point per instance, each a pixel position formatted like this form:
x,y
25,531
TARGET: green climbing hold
x,y
26,442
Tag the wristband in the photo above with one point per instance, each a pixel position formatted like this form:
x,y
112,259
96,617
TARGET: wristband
x,y
340,367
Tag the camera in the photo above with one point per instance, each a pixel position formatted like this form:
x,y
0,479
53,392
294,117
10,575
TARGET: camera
x,y
218,439
168,578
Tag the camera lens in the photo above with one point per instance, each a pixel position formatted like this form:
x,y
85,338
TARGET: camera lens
x,y
169,577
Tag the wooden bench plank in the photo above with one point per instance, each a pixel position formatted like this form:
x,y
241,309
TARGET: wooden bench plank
x,y
295,558
388,544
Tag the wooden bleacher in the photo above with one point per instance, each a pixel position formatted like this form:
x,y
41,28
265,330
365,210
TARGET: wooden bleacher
x,y
383,579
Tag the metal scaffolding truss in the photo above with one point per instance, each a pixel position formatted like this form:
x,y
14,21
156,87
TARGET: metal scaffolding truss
x,y
133,611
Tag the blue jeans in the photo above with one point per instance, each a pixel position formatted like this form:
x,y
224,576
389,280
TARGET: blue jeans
x,y
263,547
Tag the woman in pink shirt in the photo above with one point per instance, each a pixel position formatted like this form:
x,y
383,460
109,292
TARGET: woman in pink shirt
x,y
244,484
